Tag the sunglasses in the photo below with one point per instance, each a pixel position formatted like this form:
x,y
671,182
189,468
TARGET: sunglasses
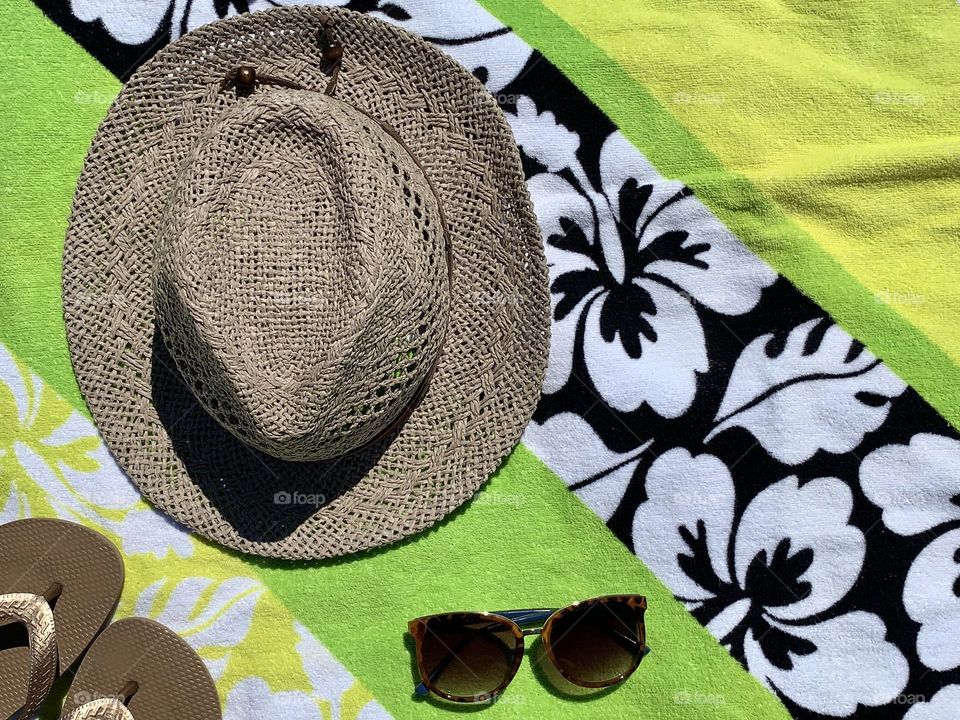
x,y
472,656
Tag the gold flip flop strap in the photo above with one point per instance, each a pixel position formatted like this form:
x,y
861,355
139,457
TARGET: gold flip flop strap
x,y
105,709
34,613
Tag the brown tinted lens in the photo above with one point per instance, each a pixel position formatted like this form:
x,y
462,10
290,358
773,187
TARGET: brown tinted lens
x,y
597,641
467,655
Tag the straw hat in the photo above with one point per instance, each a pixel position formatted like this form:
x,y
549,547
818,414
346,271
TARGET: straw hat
x,y
304,288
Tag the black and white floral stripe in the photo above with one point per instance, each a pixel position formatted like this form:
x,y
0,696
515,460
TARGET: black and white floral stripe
x,y
122,35
783,482
721,424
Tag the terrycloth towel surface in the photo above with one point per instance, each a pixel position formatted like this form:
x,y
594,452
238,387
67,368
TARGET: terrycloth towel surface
x,y
784,498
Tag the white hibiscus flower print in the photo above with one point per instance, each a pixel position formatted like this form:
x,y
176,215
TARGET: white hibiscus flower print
x,y
567,445
53,461
332,687
918,487
814,389
17,504
766,583
464,30
252,699
134,22
213,623
542,137
629,263
942,706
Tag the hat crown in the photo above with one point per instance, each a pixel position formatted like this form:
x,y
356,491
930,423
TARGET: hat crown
x,y
301,280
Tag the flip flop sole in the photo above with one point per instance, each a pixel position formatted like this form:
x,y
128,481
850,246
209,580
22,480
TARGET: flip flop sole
x,y
170,679
36,555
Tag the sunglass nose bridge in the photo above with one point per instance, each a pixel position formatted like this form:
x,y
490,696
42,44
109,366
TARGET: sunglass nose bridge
x,y
529,621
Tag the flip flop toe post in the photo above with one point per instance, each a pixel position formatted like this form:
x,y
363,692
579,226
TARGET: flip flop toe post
x,y
139,669
59,586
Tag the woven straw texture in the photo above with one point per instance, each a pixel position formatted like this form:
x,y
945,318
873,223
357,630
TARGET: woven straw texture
x,y
301,275
171,127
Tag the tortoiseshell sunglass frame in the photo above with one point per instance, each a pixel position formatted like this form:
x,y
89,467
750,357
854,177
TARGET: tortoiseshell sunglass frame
x,y
542,621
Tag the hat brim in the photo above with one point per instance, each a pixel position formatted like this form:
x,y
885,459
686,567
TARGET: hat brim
x,y
487,380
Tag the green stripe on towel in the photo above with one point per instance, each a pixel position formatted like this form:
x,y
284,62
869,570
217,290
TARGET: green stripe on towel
x,y
55,96
524,541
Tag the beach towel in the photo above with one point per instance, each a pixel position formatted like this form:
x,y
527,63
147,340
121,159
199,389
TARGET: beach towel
x,y
751,407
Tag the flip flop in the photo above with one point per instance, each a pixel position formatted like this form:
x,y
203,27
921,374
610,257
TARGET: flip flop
x,y
59,586
139,670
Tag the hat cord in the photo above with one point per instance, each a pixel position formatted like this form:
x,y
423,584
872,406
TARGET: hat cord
x,y
245,77
332,53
